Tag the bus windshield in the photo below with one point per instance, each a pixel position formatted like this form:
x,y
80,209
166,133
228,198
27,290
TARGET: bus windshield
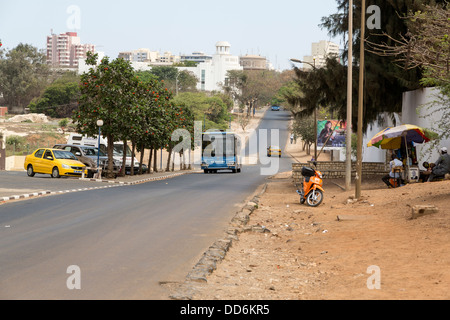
x,y
219,145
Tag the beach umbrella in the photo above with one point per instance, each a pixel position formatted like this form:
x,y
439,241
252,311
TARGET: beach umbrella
x,y
392,137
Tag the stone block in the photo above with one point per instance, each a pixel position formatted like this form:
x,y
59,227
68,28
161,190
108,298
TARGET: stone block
x,y
422,210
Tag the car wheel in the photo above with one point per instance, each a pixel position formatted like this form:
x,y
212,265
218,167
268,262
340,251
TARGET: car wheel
x,y
30,171
55,173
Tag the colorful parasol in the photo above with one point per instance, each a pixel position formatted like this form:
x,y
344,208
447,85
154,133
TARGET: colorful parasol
x,y
392,137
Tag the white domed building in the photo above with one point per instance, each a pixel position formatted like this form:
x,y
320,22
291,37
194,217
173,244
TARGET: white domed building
x,y
212,73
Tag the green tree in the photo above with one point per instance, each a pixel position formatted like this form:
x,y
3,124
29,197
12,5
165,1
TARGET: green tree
x,y
209,109
23,75
252,88
59,99
175,80
107,93
426,45
304,128
385,81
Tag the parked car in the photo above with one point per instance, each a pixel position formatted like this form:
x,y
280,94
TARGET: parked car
x,y
55,162
84,140
88,155
273,151
275,108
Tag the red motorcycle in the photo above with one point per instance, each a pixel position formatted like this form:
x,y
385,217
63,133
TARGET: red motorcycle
x,y
311,189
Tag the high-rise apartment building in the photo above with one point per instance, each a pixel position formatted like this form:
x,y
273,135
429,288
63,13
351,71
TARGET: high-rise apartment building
x,y
65,49
320,51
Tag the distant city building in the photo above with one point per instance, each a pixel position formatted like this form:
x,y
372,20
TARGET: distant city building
x,y
65,50
213,73
320,51
150,57
197,57
253,62
168,58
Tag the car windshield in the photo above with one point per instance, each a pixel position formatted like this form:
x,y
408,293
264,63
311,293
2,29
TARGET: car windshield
x,y
62,154
118,150
89,151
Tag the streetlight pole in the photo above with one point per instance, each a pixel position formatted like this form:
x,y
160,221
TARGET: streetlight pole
x,y
360,103
99,124
315,109
348,153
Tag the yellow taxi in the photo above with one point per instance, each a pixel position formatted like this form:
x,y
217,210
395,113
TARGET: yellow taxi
x,y
54,162
274,151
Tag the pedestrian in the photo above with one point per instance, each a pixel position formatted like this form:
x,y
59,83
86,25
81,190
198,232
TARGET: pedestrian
x,y
292,138
395,162
441,166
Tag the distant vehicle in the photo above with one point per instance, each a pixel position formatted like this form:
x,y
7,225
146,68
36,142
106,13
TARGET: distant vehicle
x,y
274,151
220,151
54,162
89,156
84,140
275,108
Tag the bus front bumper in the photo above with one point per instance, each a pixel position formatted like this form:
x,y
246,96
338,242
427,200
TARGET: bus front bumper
x,y
216,166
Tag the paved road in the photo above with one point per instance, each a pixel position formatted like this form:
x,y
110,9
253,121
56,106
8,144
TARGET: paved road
x,y
124,240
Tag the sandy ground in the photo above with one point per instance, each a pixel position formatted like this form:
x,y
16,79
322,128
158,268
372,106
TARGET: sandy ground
x,y
375,250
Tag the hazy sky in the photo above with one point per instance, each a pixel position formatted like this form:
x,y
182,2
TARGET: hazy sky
x,y
278,30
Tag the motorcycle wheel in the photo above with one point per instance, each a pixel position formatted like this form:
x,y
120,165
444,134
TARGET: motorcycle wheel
x,y
314,198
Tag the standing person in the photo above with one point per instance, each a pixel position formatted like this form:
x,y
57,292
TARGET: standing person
x,y
441,166
292,138
395,162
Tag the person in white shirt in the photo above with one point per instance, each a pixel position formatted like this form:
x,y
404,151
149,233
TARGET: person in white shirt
x,y
395,162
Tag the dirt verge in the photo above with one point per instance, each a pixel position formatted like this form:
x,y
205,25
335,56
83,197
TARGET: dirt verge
x,y
308,253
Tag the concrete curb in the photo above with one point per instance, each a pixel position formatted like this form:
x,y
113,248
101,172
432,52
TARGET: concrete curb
x,y
24,196
218,250
110,184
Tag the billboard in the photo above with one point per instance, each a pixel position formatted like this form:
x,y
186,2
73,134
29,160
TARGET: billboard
x,y
331,134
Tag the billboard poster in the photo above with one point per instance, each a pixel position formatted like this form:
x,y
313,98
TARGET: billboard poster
x,y
331,134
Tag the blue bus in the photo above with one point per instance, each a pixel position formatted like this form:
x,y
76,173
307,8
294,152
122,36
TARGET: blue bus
x,y
220,151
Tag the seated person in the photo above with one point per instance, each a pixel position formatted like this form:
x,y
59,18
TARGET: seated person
x,y
424,175
395,162
441,166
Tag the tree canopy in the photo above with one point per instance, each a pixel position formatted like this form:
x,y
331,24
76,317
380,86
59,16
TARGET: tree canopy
x,y
23,74
133,107
59,99
385,81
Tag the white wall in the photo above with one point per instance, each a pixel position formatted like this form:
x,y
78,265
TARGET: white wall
x,y
413,112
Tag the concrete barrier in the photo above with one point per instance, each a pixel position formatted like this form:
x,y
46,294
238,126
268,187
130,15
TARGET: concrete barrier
x,y
14,163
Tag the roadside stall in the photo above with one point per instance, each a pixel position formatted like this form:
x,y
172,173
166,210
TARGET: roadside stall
x,y
402,140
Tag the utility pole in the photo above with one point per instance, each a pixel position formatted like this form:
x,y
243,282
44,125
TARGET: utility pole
x,y
360,103
315,121
348,154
